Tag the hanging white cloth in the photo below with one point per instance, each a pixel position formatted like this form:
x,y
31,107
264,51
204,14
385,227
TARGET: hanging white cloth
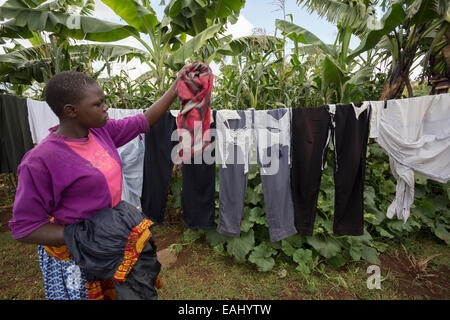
x,y
132,156
40,118
270,131
415,133
242,137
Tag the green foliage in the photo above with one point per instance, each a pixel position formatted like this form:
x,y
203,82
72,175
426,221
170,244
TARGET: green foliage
x,y
177,59
192,17
50,17
165,51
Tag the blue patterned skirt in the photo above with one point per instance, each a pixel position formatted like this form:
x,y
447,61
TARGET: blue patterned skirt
x,y
63,280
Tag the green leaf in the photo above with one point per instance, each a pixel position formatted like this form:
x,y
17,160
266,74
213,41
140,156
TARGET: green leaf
x,y
419,179
234,47
238,248
225,8
193,16
214,238
253,196
262,257
253,172
398,225
191,235
440,203
380,246
337,261
448,191
391,19
442,233
384,233
219,248
379,216
301,35
257,215
355,248
24,21
291,244
370,254
246,223
177,247
422,11
179,57
328,247
134,14
304,259
425,208
332,72
31,60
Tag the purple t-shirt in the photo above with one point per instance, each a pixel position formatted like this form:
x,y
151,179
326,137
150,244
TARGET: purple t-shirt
x,y
72,179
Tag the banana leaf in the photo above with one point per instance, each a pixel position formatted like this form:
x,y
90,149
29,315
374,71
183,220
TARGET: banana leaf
x,y
24,20
134,14
390,20
301,35
178,58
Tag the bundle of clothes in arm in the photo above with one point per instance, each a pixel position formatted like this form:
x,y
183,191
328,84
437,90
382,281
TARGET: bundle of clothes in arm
x,y
116,252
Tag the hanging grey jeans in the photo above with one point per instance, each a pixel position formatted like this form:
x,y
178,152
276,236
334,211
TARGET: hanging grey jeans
x,y
269,132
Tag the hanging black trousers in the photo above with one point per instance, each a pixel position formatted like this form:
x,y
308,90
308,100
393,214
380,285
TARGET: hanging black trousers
x,y
198,180
158,167
312,131
15,134
199,189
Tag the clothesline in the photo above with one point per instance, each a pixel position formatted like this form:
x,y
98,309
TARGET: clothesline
x,y
415,133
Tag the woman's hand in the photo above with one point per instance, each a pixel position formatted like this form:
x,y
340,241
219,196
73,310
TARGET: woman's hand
x,y
159,108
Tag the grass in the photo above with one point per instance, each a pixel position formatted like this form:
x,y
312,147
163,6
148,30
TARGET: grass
x,y
206,274
20,274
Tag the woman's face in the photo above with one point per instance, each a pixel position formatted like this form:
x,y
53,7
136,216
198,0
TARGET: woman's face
x,y
92,108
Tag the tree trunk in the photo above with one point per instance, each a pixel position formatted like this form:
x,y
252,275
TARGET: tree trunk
x,y
446,52
399,78
392,90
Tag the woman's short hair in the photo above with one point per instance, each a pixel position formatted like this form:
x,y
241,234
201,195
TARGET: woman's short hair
x,y
66,88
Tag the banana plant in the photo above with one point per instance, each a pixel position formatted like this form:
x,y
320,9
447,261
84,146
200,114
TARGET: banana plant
x,y
192,17
49,27
347,13
39,62
407,34
28,17
169,48
340,74
421,33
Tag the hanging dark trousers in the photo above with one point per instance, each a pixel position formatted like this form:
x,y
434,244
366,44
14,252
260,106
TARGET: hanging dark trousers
x,y
198,188
312,130
15,134
158,167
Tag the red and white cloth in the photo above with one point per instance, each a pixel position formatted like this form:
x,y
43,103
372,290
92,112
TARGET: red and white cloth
x,y
194,91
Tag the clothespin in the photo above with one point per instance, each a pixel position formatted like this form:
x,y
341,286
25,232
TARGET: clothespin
x,y
385,104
